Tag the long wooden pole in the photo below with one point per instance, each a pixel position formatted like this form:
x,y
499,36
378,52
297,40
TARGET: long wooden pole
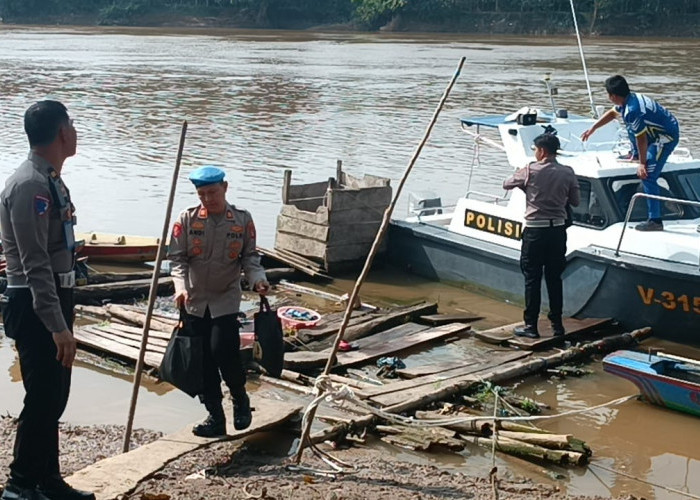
x,y
153,292
373,251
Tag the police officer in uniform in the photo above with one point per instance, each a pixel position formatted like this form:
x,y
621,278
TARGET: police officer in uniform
x,y
548,187
209,245
36,216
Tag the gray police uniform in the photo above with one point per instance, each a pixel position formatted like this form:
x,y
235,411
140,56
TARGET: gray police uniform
x,y
208,253
36,219
548,187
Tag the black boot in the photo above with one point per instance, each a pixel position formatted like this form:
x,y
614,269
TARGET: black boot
x,y
529,331
241,412
558,328
15,492
215,423
55,488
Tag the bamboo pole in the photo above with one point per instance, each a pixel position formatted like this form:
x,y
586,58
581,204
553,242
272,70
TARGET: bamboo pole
x,y
373,251
153,293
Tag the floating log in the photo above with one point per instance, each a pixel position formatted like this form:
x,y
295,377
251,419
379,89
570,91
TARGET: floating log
x,y
123,290
479,427
529,451
296,287
101,278
552,441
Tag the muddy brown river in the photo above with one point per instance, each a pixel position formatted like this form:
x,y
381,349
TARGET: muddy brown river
x,y
261,102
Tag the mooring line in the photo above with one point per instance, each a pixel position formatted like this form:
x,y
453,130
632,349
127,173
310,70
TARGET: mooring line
x,y
639,479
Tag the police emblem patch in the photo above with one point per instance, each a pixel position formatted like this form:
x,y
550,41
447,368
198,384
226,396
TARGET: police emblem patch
x,y
41,204
251,230
197,225
197,251
177,230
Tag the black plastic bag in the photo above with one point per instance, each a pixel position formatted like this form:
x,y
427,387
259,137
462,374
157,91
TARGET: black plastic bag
x,y
183,359
270,339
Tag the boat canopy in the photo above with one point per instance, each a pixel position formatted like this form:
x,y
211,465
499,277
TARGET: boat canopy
x,y
493,121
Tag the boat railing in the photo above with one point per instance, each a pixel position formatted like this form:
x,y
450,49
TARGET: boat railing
x,y
636,197
432,210
489,196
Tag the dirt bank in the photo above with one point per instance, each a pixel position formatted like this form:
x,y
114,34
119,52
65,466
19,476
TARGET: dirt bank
x,y
236,470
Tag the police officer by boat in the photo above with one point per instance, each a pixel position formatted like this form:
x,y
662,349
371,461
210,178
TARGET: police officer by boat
x,y
549,186
209,245
36,216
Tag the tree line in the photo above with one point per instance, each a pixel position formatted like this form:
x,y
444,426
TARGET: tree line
x,y
367,14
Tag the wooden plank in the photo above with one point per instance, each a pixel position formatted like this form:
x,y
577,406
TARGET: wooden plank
x,y
112,347
573,327
119,338
131,336
299,264
468,367
351,182
138,331
298,227
371,198
497,335
384,320
352,232
389,342
119,475
442,319
319,216
301,245
330,324
314,189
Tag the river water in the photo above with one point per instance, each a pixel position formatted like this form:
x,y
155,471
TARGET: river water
x,y
258,103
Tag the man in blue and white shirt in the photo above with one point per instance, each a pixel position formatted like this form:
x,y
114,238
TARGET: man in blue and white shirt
x,y
656,132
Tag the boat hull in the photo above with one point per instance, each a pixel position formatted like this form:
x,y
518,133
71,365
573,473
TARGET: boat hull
x,y
635,290
657,388
117,248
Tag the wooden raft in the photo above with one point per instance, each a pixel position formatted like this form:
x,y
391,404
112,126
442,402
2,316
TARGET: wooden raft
x,y
119,475
388,342
573,327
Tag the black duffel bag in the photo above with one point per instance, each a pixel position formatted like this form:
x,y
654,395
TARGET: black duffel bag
x,y
269,339
182,364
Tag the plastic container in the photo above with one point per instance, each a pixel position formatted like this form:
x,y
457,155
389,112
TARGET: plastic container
x,y
295,317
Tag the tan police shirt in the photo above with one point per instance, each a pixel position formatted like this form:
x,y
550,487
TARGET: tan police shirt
x,y
548,187
33,237
208,256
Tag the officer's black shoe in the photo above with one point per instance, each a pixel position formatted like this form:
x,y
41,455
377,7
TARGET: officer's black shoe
x,y
14,492
241,412
529,331
558,329
55,488
211,427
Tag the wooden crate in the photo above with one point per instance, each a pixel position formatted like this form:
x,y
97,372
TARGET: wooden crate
x,y
333,222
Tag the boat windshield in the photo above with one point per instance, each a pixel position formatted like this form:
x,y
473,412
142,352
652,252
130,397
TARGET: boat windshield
x,y
684,185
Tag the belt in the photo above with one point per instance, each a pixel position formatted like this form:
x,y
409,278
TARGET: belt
x,y
63,280
544,223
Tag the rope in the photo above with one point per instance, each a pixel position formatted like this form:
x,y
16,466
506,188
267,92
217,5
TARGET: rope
x,y
655,485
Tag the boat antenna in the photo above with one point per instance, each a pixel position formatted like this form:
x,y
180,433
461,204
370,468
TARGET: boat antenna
x,y
583,59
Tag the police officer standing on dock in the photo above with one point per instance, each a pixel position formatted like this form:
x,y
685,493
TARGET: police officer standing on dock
x,y
36,216
209,245
549,186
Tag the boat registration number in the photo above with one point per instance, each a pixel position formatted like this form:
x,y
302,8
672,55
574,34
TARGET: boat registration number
x,y
493,224
669,300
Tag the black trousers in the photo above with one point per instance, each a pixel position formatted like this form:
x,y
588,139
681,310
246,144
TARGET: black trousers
x,y
222,356
47,385
543,252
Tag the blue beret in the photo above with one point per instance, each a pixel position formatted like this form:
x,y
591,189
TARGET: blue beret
x,y
204,176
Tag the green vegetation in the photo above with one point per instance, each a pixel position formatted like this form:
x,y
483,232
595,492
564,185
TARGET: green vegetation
x,y
498,16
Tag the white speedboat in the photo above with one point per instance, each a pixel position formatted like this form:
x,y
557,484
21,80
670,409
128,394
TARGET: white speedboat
x,y
639,278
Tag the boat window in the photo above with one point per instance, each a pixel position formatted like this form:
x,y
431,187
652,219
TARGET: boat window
x,y
624,189
589,211
691,185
